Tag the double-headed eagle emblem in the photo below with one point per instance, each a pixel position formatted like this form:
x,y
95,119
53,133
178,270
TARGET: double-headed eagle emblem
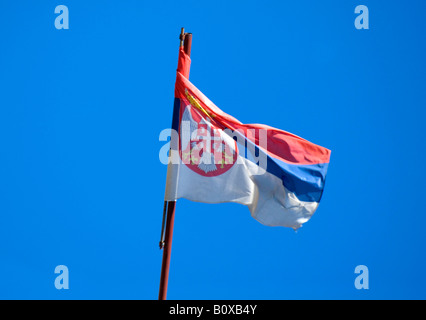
x,y
202,143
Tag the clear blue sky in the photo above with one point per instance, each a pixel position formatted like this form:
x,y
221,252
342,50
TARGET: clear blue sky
x,y
81,183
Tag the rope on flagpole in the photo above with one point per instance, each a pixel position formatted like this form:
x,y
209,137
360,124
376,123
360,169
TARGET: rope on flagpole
x,y
162,242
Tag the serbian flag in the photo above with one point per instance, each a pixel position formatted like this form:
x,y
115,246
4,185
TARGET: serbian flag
x,y
215,158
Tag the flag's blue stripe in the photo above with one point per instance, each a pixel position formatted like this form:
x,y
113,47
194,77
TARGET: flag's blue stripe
x,y
175,119
305,181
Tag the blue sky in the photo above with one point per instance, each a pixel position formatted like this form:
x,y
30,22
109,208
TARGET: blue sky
x,y
81,183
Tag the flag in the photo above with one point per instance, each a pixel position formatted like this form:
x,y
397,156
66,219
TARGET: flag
x,y
214,158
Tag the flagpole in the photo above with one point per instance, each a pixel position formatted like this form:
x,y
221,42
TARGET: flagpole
x,y
170,206
167,249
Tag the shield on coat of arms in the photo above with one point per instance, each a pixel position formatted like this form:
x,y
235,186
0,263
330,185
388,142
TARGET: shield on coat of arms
x,y
203,146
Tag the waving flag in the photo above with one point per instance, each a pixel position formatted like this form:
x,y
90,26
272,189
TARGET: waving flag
x,y
215,158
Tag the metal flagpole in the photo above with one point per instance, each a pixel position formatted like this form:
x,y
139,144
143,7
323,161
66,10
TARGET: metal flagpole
x,y
170,206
